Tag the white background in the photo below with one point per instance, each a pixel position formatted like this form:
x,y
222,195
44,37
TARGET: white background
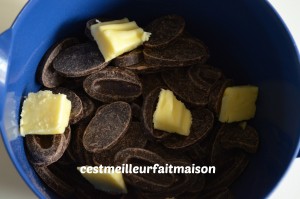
x,y
13,187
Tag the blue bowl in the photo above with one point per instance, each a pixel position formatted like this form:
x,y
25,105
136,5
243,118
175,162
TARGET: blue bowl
x,y
246,38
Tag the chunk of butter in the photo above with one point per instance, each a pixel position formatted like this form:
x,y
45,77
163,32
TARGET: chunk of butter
x,y
115,39
171,115
116,42
238,103
110,182
45,113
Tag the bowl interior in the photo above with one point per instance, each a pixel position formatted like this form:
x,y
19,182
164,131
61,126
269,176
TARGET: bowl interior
x,y
246,39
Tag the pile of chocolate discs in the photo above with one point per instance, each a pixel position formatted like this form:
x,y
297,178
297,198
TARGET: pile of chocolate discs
x,y
111,120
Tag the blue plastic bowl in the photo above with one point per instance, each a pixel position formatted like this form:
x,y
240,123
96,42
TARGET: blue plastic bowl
x,y
246,38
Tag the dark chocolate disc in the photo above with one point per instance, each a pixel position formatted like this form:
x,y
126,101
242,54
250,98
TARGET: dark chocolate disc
x,y
87,105
164,30
134,137
179,82
180,53
113,84
152,181
79,60
204,76
108,126
43,150
46,75
233,136
77,107
145,68
128,59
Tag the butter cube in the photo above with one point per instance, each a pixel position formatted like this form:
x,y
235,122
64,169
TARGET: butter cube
x,y
238,103
110,182
115,39
117,42
171,115
45,113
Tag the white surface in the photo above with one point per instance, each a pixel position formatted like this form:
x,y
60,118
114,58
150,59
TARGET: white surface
x,y
289,186
289,12
13,187
8,11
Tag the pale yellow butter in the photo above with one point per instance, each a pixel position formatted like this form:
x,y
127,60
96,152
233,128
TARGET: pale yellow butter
x,y
117,42
238,103
186,122
115,39
122,26
171,115
45,113
109,182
